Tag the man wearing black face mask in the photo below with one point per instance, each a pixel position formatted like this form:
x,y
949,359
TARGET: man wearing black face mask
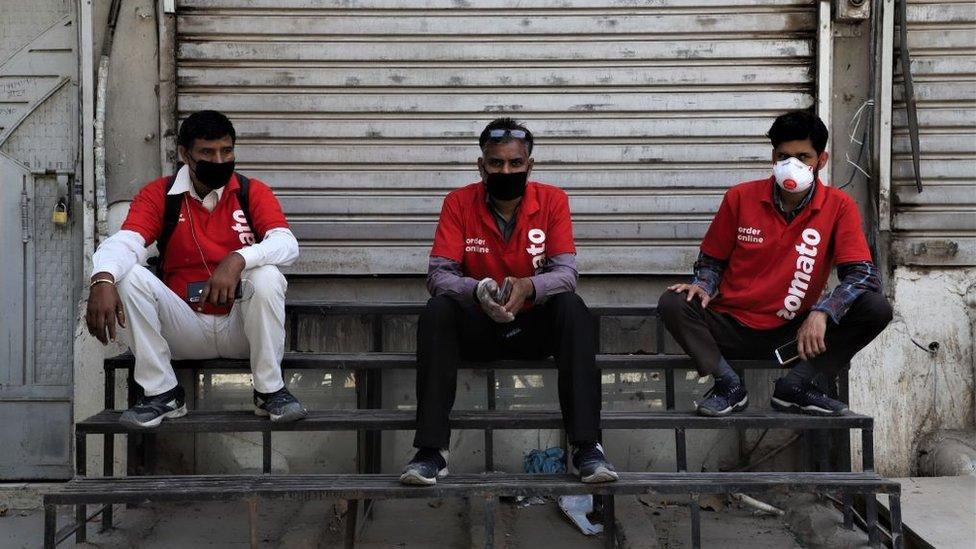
x,y
221,239
502,274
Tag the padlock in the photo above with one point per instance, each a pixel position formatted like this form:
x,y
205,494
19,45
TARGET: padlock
x,y
60,215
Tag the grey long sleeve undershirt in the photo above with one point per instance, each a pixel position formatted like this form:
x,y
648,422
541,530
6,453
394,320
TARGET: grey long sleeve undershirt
x,y
444,277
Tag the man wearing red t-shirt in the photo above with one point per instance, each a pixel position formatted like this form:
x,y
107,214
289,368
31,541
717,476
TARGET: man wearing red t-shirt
x,y
221,293
760,278
502,274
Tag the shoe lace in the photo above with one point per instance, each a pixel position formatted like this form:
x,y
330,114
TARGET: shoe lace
x,y
279,398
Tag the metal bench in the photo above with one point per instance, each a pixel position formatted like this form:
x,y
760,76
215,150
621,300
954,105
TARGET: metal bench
x,y
489,487
369,420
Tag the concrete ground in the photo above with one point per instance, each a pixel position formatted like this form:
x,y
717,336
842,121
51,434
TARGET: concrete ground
x,y
647,521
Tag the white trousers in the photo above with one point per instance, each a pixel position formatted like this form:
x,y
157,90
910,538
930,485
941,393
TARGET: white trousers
x,y
161,326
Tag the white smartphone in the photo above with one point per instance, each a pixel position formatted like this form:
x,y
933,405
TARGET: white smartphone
x,y
788,353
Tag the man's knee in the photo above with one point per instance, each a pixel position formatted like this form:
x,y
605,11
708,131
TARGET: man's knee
x,y
568,302
671,304
875,309
439,308
266,282
138,279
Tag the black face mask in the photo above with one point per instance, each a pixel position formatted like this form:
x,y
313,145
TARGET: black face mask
x,y
212,174
506,186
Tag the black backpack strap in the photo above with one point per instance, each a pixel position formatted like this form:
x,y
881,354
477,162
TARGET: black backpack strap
x,y
244,199
171,216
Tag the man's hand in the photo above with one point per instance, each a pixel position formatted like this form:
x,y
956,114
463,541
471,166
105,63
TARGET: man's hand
x,y
219,290
693,290
810,337
487,294
522,289
104,309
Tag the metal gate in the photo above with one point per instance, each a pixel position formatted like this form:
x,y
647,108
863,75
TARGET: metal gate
x,y
38,276
363,114
938,225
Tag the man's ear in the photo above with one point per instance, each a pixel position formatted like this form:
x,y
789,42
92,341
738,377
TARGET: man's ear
x,y
481,167
183,152
530,165
822,160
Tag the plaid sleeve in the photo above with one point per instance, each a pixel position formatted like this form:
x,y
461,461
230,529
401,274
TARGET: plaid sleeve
x,y
856,278
708,273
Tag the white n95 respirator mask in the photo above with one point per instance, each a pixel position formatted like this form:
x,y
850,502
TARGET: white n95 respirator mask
x,y
792,175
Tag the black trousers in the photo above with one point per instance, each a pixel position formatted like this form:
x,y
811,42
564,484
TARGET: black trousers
x,y
707,336
562,328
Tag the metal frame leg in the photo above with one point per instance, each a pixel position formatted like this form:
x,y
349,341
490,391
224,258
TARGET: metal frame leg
x,y
81,511
352,512
50,525
848,511
695,522
609,523
871,512
894,511
108,469
266,452
252,522
491,504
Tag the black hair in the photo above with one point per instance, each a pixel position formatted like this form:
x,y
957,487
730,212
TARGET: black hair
x,y
505,123
796,126
205,125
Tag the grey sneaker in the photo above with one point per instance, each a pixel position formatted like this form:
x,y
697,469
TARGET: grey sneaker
x,y
427,465
150,411
805,399
279,406
592,464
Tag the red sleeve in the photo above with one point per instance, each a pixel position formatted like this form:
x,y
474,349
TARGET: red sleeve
x,y
560,237
720,239
146,211
265,210
849,241
449,238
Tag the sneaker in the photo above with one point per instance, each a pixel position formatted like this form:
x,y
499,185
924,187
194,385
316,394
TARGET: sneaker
x,y
592,464
279,405
805,399
722,400
150,411
427,465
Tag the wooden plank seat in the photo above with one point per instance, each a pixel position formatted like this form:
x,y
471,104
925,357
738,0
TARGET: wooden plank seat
x,y
355,487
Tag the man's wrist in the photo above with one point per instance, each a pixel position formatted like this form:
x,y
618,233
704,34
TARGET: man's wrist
x,y
103,275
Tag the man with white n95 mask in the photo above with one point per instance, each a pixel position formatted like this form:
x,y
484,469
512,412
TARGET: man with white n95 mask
x,y
760,279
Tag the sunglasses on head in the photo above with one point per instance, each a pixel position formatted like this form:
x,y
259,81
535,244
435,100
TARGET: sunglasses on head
x,y
501,134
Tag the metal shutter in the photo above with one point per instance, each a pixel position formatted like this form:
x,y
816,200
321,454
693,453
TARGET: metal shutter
x,y
937,226
363,114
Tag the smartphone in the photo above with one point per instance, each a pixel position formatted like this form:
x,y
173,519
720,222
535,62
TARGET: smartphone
x,y
195,289
787,353
504,292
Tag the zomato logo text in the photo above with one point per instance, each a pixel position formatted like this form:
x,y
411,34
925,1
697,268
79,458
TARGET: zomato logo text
x,y
805,261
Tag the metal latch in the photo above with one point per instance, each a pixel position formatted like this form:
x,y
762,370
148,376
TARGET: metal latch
x,y
937,248
24,216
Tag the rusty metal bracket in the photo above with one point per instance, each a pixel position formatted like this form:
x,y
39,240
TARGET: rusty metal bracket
x,y
910,104
938,248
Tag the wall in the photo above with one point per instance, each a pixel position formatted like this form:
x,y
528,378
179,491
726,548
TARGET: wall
x,y
908,390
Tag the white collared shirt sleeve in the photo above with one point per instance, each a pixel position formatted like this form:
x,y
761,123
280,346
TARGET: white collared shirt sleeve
x,y
119,253
279,248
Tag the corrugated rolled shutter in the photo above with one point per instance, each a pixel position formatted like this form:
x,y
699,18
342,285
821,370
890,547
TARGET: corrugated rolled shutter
x,y
937,226
363,114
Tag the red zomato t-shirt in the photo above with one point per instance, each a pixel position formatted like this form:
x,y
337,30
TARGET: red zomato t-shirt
x,y
220,232
777,270
467,232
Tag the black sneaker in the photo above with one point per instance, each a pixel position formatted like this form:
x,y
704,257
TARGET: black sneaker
x,y
279,405
723,399
805,399
592,464
427,465
150,411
